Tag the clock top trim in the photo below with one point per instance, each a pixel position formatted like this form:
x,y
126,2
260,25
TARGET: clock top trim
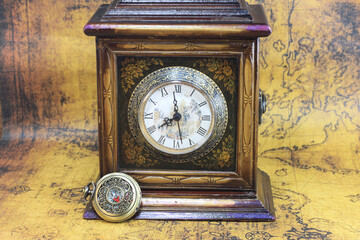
x,y
193,11
164,19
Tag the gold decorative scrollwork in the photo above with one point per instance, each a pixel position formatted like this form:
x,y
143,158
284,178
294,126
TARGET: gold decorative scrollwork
x,y
247,149
134,153
225,154
242,46
109,140
132,69
190,46
222,71
176,180
107,93
139,46
212,181
221,157
247,99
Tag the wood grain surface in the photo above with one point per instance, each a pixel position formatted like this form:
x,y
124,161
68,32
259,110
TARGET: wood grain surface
x,y
309,142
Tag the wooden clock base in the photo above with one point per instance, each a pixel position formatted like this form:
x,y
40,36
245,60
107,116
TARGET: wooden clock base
x,y
210,205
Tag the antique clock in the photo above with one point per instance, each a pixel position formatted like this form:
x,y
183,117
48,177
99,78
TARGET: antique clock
x,y
179,106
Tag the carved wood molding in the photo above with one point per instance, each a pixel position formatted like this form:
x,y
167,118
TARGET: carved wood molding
x,y
242,46
126,46
107,115
248,104
186,181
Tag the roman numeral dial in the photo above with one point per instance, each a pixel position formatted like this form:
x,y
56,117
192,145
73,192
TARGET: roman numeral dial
x,y
178,117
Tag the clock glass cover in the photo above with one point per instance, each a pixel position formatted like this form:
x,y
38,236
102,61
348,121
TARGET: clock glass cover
x,y
176,117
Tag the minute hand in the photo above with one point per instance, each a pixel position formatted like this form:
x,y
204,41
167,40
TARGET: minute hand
x,y
177,116
179,131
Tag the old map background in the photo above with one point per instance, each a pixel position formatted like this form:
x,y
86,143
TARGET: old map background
x,y
309,142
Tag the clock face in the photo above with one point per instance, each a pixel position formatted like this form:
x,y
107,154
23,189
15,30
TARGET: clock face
x,y
178,114
176,117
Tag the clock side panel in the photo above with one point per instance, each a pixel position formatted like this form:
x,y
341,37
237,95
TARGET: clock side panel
x,y
256,120
247,115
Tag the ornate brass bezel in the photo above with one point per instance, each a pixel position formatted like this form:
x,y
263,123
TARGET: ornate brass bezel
x,y
188,76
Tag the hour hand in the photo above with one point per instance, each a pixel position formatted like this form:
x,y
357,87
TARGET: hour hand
x,y
167,122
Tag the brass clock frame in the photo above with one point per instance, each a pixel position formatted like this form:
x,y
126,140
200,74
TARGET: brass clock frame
x,y
191,77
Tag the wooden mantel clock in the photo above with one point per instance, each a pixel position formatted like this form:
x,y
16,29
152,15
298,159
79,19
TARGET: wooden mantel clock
x,y
179,105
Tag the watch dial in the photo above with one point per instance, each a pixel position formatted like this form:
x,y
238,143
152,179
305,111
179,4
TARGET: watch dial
x,y
114,195
176,117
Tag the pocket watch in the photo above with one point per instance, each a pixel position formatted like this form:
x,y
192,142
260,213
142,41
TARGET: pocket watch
x,y
116,197
178,113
